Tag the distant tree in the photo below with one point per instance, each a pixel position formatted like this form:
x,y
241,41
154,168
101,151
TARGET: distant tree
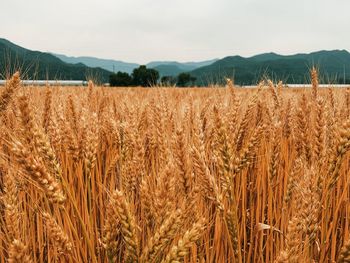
x,y
183,79
120,79
142,76
341,80
168,80
193,80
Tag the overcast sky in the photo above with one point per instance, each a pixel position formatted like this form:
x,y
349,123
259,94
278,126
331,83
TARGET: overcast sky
x,y
184,30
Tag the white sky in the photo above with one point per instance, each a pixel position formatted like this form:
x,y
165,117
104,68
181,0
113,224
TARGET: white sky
x,y
184,30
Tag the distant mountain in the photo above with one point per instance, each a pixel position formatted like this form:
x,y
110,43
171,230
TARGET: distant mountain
x,y
290,69
173,68
40,65
169,70
334,66
266,57
201,63
107,64
165,68
177,65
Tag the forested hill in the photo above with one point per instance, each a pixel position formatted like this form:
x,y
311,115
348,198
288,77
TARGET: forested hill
x,y
40,65
333,65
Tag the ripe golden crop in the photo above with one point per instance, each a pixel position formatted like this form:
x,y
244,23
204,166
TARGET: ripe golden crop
x,y
228,174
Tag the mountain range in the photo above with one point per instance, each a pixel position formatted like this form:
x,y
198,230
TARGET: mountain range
x,y
165,68
107,64
173,68
41,65
334,66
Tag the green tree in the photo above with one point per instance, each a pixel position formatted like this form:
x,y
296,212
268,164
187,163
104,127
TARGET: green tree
x,y
120,79
168,80
142,76
183,79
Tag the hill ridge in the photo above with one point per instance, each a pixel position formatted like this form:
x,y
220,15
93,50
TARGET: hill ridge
x,y
289,68
43,65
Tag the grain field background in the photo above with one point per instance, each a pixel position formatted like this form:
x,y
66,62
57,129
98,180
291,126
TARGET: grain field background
x,y
96,174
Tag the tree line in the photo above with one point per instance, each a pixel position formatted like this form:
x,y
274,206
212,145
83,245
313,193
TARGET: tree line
x,y
148,77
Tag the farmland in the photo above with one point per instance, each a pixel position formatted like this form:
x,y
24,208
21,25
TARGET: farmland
x,y
97,174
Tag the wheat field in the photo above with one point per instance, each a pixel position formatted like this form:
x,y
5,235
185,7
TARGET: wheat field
x,y
97,174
